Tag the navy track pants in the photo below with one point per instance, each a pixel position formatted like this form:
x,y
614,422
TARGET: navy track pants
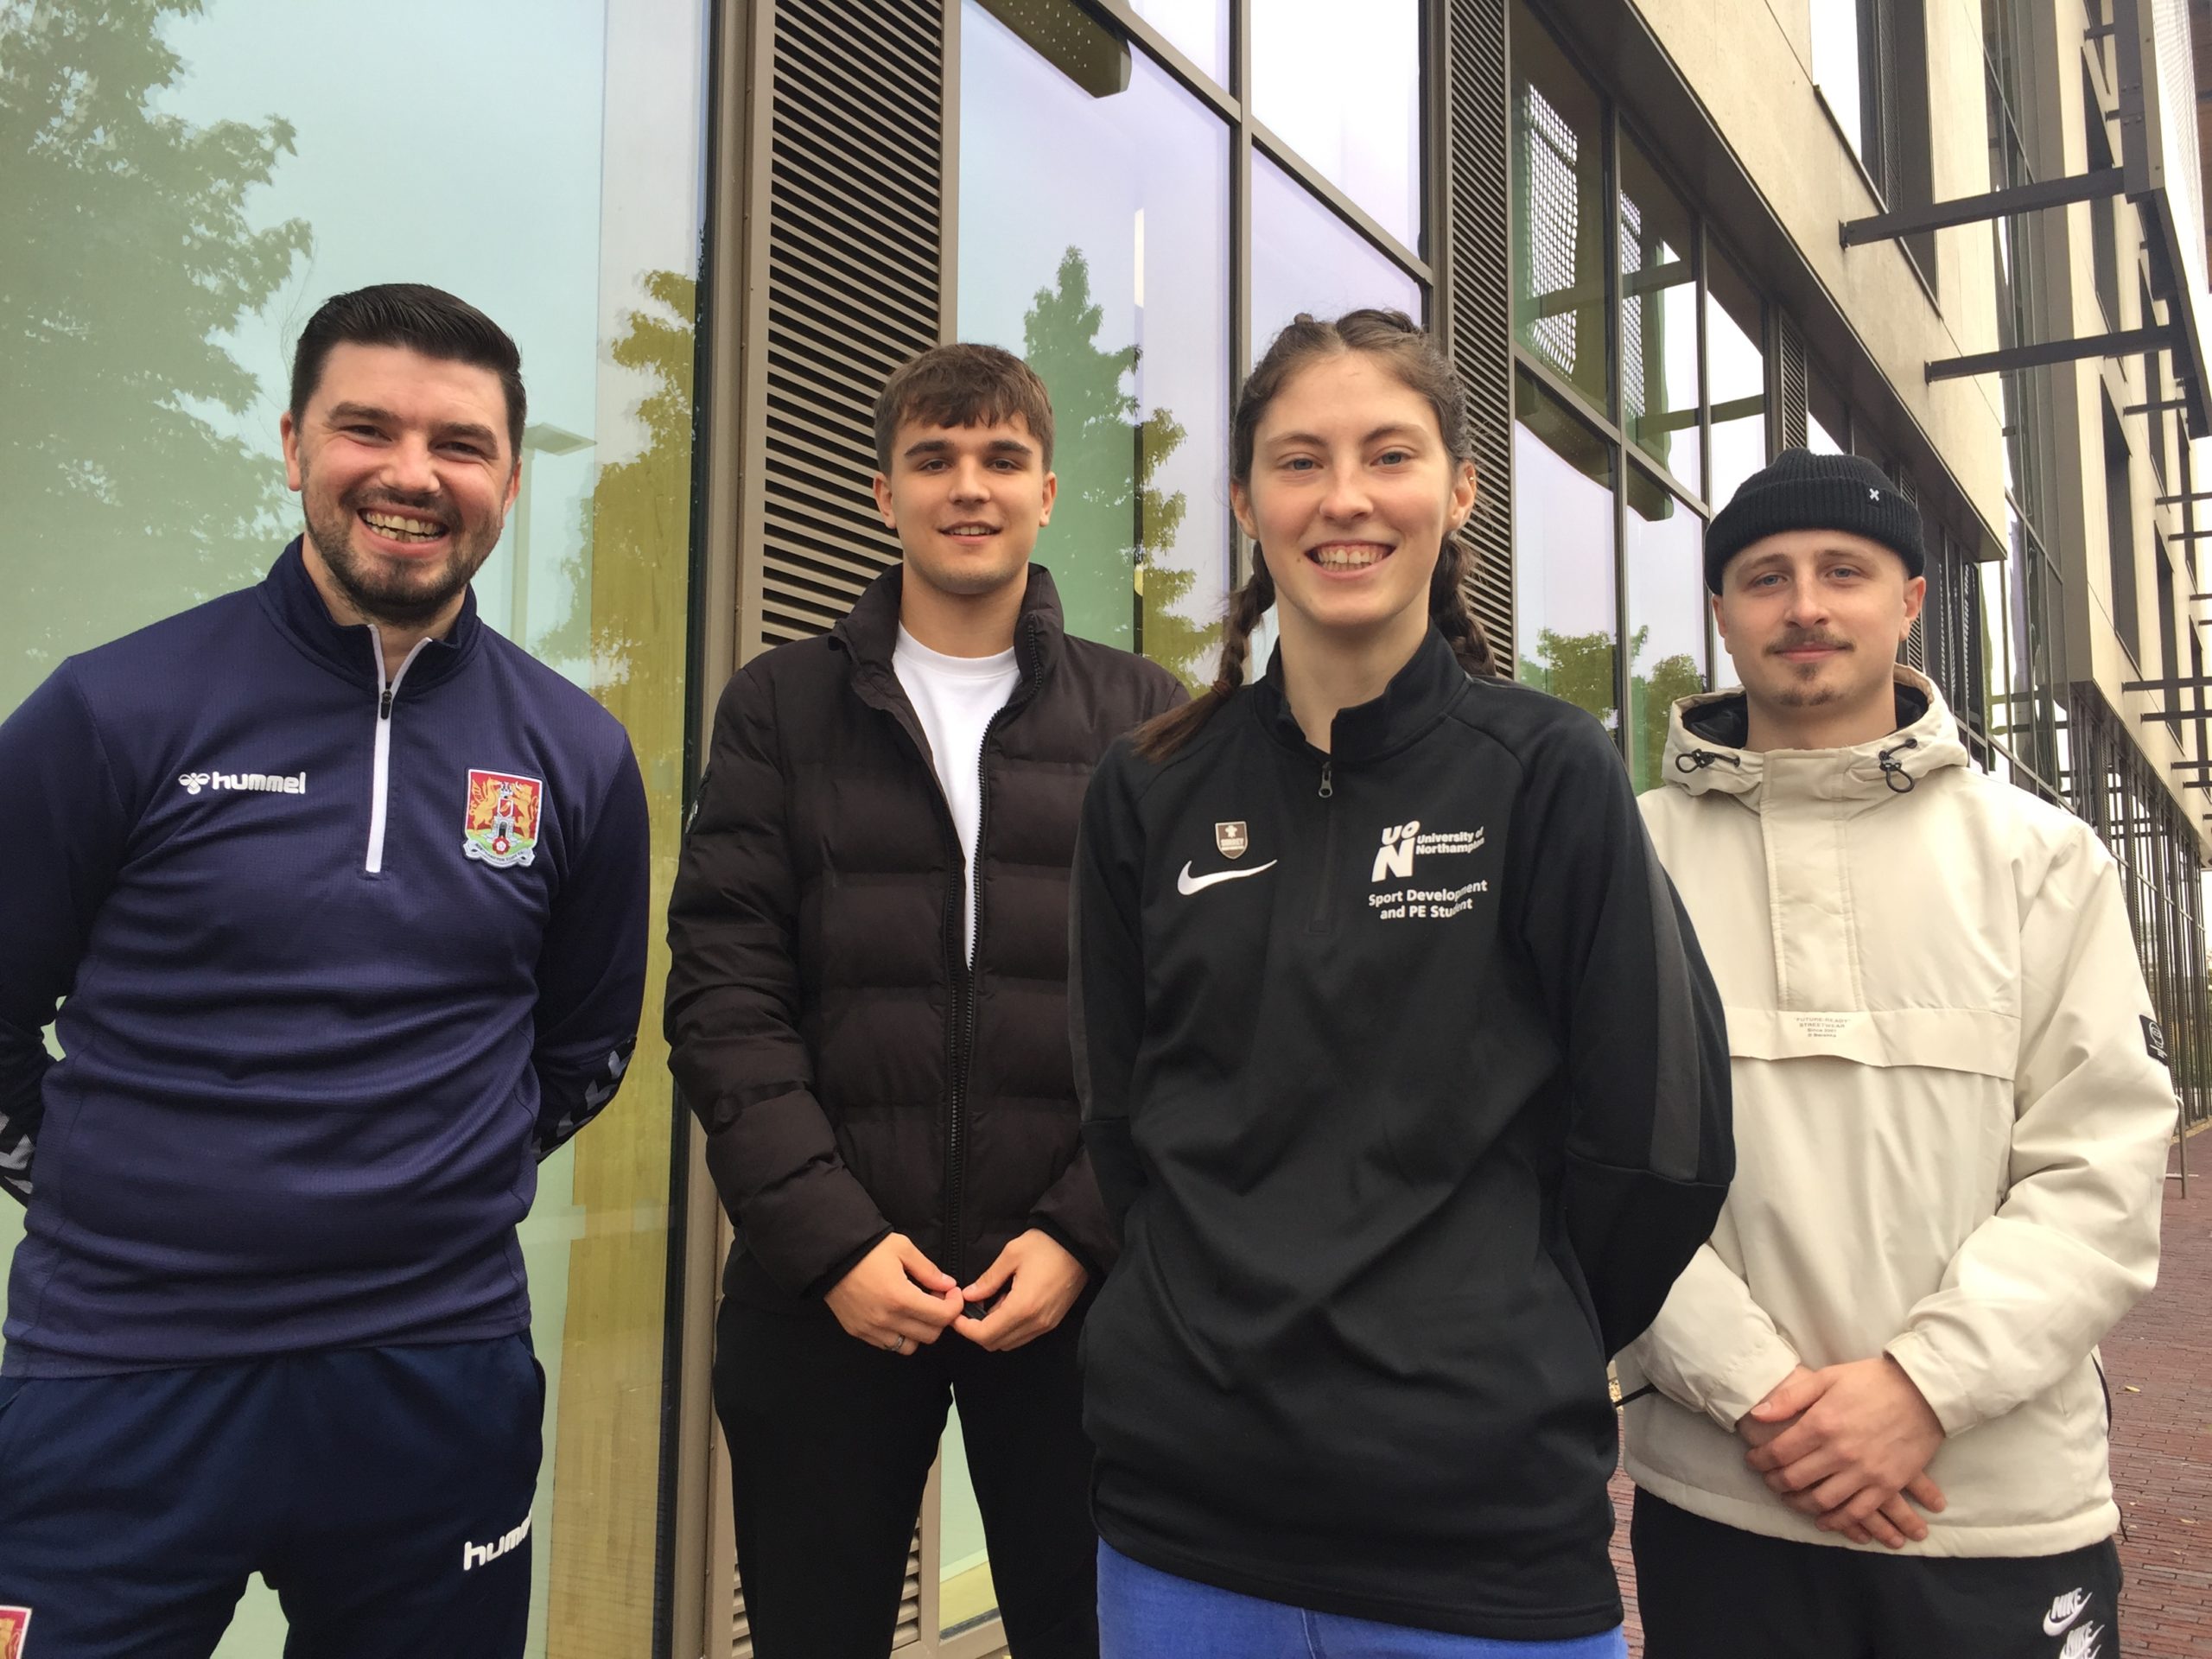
x,y
385,1494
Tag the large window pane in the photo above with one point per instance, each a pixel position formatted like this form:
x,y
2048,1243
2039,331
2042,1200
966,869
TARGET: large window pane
x,y
1563,551
1736,373
1344,90
1659,356
1093,242
158,482
1305,259
1199,30
1838,65
1665,618
1558,246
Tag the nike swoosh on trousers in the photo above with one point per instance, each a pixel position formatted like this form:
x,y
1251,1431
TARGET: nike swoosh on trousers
x,y
1187,884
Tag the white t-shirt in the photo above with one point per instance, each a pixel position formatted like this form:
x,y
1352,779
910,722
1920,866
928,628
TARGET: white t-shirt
x,y
955,698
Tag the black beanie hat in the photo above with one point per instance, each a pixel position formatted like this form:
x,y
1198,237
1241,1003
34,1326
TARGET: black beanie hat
x,y
1804,491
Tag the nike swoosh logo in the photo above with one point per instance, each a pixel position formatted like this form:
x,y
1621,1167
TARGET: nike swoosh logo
x,y
2064,1612
1186,884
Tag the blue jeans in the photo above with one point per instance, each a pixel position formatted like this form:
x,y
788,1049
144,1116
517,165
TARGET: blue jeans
x,y
1147,1614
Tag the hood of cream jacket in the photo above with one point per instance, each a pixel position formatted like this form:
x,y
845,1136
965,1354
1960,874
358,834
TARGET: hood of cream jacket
x,y
1950,1129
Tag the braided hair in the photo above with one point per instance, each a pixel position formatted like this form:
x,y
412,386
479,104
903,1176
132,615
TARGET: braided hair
x,y
1413,358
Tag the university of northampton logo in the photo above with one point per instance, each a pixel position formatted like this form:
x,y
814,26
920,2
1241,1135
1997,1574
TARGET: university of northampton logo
x,y
501,828
14,1632
1232,839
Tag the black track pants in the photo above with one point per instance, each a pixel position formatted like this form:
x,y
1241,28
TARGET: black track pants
x,y
830,1445
1707,1590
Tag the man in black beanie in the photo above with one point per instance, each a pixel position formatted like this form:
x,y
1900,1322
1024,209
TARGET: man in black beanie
x,y
1867,1421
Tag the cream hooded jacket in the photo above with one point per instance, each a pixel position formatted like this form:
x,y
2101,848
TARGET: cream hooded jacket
x,y
1950,1129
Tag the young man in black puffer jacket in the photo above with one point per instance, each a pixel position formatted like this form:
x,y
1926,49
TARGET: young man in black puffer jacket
x,y
868,1008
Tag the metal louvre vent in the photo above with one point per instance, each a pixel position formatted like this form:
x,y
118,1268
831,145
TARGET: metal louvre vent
x,y
1478,316
1789,361
854,206
1915,652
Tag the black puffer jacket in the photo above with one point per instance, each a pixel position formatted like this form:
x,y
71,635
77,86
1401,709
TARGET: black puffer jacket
x,y
854,1074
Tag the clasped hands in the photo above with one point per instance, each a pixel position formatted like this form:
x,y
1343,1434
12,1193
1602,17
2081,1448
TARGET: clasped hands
x,y
1849,1445
896,1299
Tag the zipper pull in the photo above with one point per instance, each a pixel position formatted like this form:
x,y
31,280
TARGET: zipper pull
x,y
383,705
1328,779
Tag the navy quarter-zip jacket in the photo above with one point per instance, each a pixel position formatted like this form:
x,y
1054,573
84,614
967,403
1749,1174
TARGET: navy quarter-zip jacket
x,y
341,961
1406,1083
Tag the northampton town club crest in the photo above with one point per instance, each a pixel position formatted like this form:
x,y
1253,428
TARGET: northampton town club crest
x,y
503,812
14,1632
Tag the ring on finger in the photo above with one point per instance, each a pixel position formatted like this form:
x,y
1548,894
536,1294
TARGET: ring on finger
x,y
896,1345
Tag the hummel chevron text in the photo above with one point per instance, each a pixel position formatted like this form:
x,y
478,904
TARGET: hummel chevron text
x,y
267,783
1186,884
476,1555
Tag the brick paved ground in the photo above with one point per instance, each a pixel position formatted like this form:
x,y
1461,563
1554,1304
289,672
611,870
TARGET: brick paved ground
x,y
2160,1364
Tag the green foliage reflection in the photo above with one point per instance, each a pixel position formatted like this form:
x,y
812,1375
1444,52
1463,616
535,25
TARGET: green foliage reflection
x,y
1579,667
1113,530
127,256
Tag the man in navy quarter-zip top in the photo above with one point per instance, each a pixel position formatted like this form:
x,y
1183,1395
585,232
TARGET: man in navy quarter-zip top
x,y
340,898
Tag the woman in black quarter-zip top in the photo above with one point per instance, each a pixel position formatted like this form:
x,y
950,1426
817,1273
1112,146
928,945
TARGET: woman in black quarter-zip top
x,y
1403,1079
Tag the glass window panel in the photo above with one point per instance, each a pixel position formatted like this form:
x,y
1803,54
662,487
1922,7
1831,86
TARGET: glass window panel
x,y
165,463
1563,546
1305,259
1558,246
1837,63
1199,30
1659,355
1827,422
966,1595
1094,241
1667,612
1346,97
1736,376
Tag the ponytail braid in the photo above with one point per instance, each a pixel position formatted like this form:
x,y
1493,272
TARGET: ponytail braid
x,y
1163,734
1455,618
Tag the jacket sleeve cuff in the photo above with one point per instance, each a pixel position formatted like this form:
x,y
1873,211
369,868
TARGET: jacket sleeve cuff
x,y
1747,1380
824,1282
1939,1384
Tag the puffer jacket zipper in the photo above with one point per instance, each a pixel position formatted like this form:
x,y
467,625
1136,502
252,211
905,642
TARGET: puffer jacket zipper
x,y
963,983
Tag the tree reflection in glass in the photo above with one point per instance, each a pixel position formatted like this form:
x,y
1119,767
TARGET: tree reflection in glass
x,y
1563,553
128,257
1093,240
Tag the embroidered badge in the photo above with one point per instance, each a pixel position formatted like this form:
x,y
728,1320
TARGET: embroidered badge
x,y
14,1632
501,827
1232,839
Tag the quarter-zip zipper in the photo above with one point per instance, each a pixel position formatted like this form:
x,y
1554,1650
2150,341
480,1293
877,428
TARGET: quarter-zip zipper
x,y
963,982
1319,923
380,773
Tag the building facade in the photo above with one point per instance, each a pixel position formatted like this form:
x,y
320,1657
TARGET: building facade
x,y
1661,238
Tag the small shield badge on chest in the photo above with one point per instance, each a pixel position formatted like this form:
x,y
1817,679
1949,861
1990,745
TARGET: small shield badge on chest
x,y
501,826
1232,839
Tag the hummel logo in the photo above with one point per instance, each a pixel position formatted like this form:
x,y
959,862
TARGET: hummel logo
x,y
266,783
2064,1611
2086,1642
475,1556
1186,884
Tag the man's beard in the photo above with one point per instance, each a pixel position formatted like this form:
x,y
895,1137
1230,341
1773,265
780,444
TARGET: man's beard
x,y
1809,687
396,595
